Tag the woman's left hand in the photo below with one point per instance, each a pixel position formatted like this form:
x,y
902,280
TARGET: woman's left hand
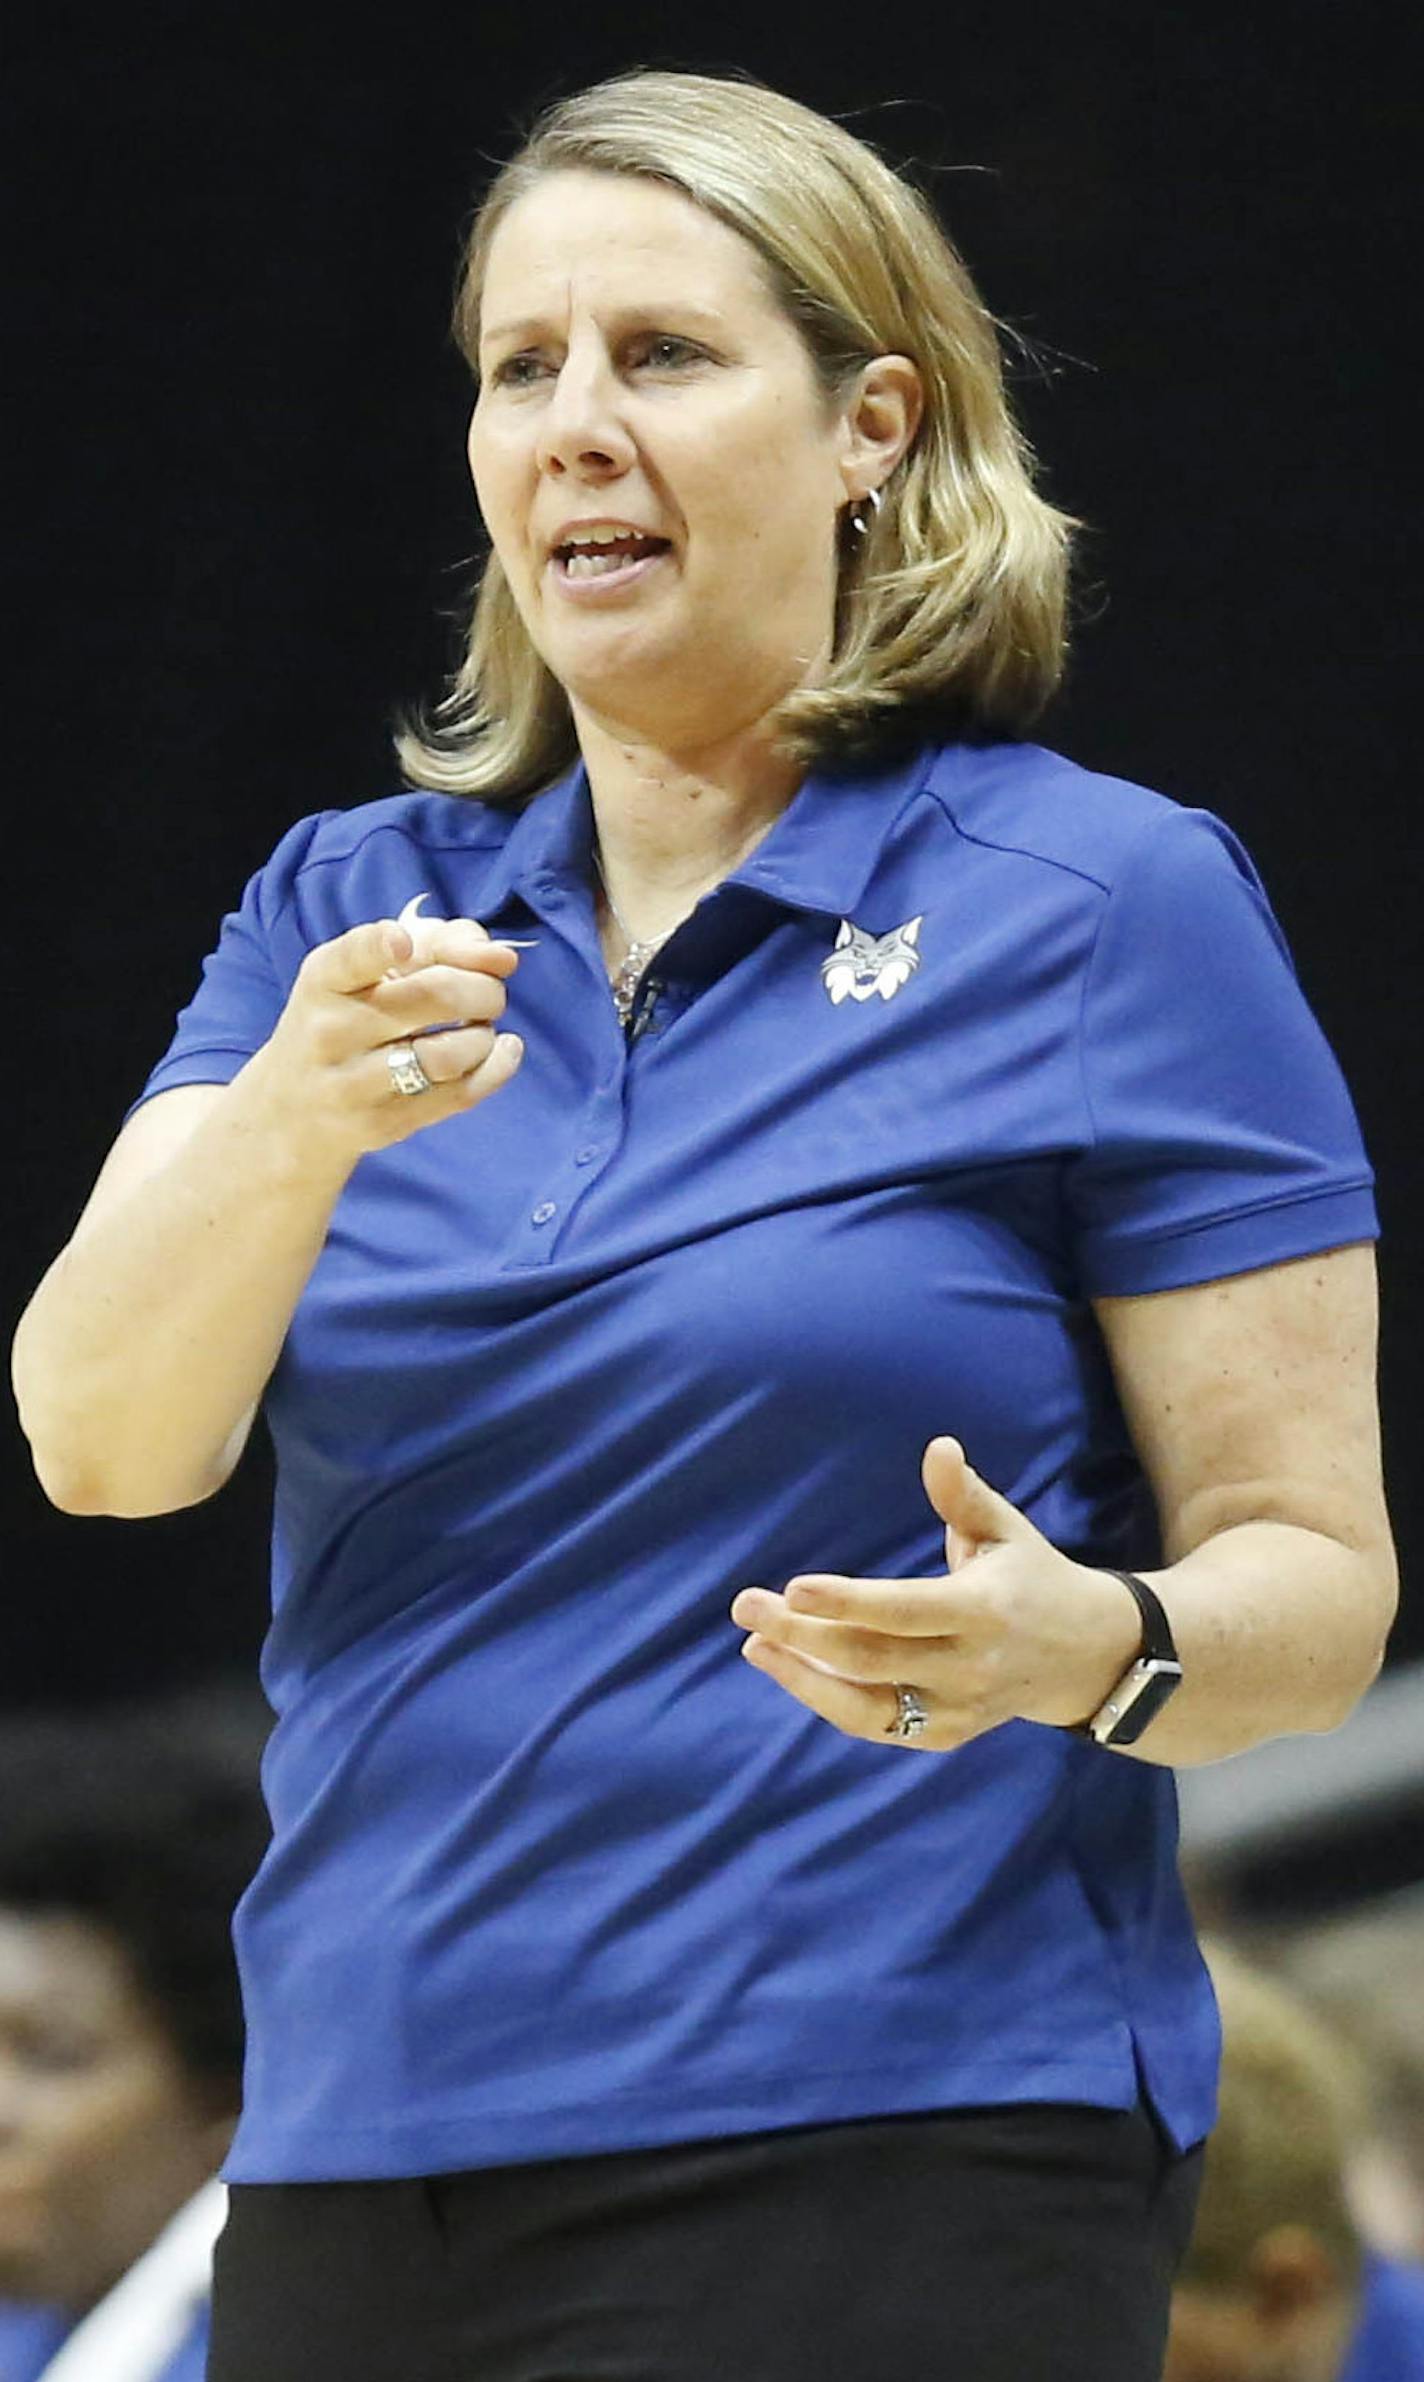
x,y
1013,1630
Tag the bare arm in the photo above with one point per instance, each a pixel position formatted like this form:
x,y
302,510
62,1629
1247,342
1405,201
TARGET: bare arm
x,y
140,1360
1252,1405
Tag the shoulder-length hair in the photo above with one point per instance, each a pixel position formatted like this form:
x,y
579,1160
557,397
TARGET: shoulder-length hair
x,y
950,608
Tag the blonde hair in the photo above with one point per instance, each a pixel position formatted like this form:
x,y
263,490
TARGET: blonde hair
x,y
1294,2102
951,606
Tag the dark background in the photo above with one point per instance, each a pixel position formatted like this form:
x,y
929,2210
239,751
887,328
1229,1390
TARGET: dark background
x,y
246,529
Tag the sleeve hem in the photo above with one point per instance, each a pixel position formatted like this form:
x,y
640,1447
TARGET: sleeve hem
x,y
217,1065
1177,1255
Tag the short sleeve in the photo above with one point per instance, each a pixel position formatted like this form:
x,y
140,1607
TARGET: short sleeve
x,y
246,980
1223,1137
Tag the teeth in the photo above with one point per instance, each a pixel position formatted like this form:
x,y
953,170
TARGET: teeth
x,y
597,566
602,537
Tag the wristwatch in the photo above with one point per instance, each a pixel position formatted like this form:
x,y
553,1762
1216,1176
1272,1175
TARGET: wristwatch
x,y
1154,1676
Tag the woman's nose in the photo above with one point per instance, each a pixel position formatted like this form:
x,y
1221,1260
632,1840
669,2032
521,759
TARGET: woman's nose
x,y
582,422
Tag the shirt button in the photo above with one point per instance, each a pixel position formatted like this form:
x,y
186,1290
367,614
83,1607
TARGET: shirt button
x,y
543,1212
586,1156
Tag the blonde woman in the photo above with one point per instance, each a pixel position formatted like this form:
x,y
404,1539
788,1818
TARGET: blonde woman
x,y
640,1167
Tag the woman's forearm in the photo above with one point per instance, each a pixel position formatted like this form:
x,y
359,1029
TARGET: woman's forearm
x,y
150,1340
1279,1629
148,1344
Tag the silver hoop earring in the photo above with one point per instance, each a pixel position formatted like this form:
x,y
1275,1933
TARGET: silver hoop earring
x,y
858,521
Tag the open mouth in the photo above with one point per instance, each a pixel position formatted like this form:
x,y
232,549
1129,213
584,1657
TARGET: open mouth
x,y
610,558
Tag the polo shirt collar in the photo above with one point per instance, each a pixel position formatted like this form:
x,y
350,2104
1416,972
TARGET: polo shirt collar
x,y
824,849
819,856
548,844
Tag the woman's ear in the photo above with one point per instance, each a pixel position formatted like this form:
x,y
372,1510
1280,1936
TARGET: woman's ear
x,y
881,422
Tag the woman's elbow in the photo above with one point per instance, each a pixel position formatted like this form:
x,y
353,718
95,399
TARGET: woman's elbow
x,y
71,1488
83,1488
1374,1614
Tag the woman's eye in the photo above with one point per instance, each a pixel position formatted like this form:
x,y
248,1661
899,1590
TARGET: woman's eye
x,y
513,374
510,371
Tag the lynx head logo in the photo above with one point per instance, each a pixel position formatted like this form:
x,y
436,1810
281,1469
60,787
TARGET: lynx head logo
x,y
863,964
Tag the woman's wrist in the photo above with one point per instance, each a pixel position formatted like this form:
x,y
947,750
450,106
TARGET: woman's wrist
x,y
1112,1641
303,1149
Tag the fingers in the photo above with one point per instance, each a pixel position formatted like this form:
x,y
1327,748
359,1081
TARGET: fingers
x,y
365,954
937,1608
847,1670
498,1061
359,958
373,986
857,1653
458,943
434,996
974,1512
444,1058
857,1711
437,985
462,1068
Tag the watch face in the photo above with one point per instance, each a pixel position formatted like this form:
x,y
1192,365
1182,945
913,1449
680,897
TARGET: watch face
x,y
1147,1687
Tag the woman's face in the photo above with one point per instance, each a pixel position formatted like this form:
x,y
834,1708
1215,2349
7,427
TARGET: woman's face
x,y
635,369
102,2134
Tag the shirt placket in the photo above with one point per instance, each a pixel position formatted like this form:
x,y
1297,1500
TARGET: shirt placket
x,y
581,1155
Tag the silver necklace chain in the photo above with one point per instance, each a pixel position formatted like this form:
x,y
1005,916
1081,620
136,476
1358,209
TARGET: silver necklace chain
x,y
635,959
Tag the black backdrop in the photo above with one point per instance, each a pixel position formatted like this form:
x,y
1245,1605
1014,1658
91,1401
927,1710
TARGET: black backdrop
x,y
246,527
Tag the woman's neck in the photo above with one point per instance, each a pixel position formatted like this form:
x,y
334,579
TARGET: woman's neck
x,y
671,825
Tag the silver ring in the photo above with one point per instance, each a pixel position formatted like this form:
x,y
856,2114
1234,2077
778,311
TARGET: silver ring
x,y
407,1074
911,1719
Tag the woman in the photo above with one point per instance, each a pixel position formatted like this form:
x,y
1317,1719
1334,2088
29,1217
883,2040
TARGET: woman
x,y
124,1844
617,2007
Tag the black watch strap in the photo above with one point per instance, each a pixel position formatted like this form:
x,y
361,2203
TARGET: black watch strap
x,y
1157,1643
1155,1675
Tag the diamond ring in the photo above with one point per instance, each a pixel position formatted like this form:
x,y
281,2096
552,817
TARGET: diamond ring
x,y
911,1719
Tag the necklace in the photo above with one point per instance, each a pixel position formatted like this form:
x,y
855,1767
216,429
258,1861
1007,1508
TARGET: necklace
x,y
635,959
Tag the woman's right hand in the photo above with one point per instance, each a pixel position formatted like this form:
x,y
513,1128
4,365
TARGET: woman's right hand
x,y
371,990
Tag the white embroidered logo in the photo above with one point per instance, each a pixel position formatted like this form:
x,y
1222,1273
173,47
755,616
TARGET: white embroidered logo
x,y
410,919
863,964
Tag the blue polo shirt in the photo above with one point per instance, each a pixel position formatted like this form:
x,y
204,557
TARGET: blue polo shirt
x,y
968,1041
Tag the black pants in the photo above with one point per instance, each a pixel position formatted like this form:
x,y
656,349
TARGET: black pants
x,y
1031,2244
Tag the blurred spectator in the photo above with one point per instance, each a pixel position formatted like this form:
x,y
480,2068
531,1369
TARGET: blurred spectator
x,y
124,1844
1366,1973
1279,2284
